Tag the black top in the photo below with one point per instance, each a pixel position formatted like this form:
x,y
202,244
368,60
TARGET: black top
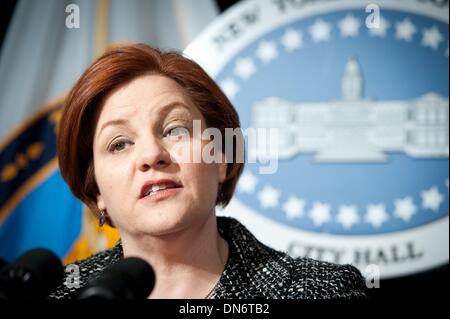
x,y
253,270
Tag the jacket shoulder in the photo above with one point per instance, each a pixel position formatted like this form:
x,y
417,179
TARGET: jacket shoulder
x,y
315,279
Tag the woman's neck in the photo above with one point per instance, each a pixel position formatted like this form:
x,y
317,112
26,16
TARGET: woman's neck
x,y
187,264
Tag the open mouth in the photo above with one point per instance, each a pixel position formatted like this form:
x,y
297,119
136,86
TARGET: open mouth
x,y
159,188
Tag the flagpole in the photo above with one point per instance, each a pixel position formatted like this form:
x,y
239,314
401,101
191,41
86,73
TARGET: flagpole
x,y
101,28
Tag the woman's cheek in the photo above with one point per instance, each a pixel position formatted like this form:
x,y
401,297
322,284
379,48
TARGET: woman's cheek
x,y
181,151
208,177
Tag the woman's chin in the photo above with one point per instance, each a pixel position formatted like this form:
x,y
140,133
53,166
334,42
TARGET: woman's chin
x,y
163,226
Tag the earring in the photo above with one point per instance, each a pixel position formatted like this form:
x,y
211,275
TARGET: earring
x,y
102,219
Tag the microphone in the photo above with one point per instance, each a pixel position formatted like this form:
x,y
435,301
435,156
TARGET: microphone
x,y
129,278
32,275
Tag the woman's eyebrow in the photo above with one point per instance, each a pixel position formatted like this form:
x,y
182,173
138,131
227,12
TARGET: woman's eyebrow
x,y
173,107
162,112
115,122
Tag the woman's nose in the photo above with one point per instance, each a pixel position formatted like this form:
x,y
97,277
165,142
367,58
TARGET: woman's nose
x,y
152,155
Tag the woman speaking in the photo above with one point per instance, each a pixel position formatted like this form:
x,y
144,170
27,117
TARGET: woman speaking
x,y
127,147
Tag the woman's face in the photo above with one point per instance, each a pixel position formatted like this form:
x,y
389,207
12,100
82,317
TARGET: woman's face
x,y
139,126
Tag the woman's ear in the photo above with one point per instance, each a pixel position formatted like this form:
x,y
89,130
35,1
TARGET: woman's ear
x,y
222,172
100,203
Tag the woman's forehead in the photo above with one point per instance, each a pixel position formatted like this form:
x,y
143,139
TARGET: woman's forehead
x,y
151,90
158,113
152,96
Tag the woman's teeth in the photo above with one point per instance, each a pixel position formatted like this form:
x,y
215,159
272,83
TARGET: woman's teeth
x,y
156,188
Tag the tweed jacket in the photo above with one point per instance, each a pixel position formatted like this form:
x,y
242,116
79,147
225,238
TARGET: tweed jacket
x,y
253,270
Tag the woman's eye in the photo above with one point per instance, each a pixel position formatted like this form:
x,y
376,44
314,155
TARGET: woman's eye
x,y
178,132
117,146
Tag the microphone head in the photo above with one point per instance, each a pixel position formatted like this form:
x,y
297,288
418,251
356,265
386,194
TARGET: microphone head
x,y
129,278
32,275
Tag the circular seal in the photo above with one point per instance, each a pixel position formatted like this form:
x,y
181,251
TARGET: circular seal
x,y
344,107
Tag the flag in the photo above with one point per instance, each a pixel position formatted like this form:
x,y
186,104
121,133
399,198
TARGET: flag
x,y
47,47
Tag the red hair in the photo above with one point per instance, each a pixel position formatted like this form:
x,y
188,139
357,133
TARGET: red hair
x,y
114,69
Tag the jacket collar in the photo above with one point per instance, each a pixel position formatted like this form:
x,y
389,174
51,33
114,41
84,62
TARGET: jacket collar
x,y
250,265
253,270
